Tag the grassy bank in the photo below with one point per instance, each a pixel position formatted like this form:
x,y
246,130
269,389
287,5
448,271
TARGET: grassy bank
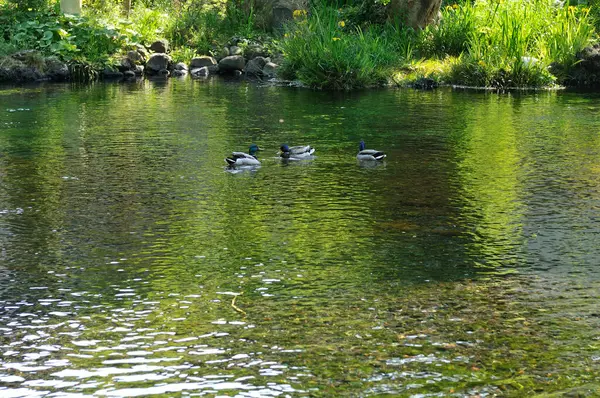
x,y
490,43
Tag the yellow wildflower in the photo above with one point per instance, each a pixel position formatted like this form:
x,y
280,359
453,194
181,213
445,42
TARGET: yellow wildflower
x,y
286,35
335,39
585,10
572,8
481,63
455,6
341,24
299,13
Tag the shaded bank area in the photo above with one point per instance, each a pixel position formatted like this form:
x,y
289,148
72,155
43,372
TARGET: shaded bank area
x,y
466,264
484,43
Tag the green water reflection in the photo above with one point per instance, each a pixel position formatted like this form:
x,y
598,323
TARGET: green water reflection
x,y
466,264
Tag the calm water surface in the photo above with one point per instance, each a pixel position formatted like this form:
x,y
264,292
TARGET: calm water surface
x,y
133,264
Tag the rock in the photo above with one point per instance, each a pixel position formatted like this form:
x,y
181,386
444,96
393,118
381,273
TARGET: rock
x,y
270,69
425,83
414,13
205,71
255,66
160,46
235,50
588,52
180,66
237,73
12,70
30,65
204,60
27,55
57,70
157,63
586,73
129,75
139,70
283,12
164,73
29,74
126,64
135,57
238,41
179,72
111,73
255,50
232,63
213,69
143,53
200,72
277,59
590,58
222,53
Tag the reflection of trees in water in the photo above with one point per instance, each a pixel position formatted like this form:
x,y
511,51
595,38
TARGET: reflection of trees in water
x,y
450,196
131,197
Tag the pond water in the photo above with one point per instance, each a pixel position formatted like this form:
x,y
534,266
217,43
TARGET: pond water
x,y
132,263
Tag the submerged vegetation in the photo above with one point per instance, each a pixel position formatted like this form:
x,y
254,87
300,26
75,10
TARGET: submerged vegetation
x,y
491,43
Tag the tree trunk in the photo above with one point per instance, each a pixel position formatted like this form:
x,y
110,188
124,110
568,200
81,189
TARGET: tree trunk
x,y
415,13
127,7
70,6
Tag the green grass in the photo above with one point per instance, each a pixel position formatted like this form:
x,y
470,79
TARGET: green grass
x,y
323,52
203,26
451,35
497,43
512,43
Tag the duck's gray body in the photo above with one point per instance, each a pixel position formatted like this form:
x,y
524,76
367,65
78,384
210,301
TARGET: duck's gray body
x,y
244,159
369,154
297,152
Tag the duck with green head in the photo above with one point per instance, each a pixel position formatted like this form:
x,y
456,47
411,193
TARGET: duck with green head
x,y
244,159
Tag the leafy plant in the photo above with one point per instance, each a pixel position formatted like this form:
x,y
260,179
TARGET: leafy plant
x,y
25,5
183,54
323,52
146,25
513,42
451,35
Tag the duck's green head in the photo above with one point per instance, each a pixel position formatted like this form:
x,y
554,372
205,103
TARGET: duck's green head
x,y
253,149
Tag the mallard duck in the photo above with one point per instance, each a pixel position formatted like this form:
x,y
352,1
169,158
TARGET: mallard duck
x,y
296,152
244,159
368,154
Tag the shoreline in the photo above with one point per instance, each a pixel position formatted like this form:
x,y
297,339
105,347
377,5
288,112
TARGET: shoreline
x,y
276,82
30,67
